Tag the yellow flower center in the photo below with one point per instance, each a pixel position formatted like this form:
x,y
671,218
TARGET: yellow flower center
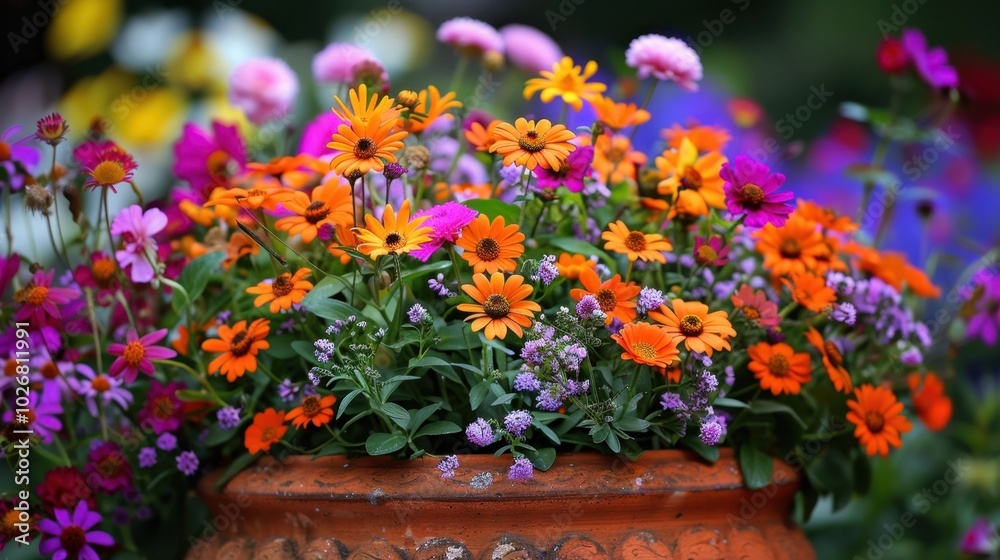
x,y
101,383
833,354
282,285
752,195
875,421
691,179
635,241
790,248
5,151
50,370
607,299
531,142
778,365
488,249
310,406
256,193
691,325
134,353
108,173
751,312
365,148
644,350
496,306
103,271
316,212
394,241
240,344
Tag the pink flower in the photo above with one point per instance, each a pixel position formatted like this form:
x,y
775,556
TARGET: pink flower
x,y
470,36
8,270
17,151
931,63
715,252
136,355
755,306
111,168
41,300
163,411
71,535
206,159
45,409
264,88
572,174
985,323
107,469
102,273
137,230
750,189
344,63
664,59
446,221
529,49
981,540
88,153
93,387
317,133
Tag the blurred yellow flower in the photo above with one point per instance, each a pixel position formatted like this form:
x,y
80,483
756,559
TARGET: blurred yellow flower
x,y
83,28
566,81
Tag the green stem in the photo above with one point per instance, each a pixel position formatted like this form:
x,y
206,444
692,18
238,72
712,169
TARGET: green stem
x,y
633,382
107,220
201,378
456,77
55,202
881,150
645,103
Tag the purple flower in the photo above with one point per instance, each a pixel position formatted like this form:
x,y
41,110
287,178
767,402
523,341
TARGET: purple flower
x,y
911,357
70,535
107,469
572,174
394,171
664,59
931,63
167,441
43,301
981,539
845,313
517,421
522,469
135,356
448,465
750,189
137,229
207,160
228,417
547,271
527,381
187,462
264,88
341,63
416,313
325,350
446,222
438,286
46,408
671,401
287,390
103,388
711,431
730,372
25,154
529,49
588,308
985,324
147,457
470,36
143,513
479,433
649,299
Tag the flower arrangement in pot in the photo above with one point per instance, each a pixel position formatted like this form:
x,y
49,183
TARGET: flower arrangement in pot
x,y
414,285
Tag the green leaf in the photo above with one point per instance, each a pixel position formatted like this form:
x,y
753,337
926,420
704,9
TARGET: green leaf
x,y
418,417
729,403
329,309
774,407
425,269
600,433
545,429
613,444
438,428
478,394
542,458
242,462
503,399
574,245
347,401
707,452
193,395
492,208
382,444
332,448
631,424
757,467
398,414
194,277
306,350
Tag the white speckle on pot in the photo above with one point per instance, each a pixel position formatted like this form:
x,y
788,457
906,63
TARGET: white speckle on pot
x,y
481,481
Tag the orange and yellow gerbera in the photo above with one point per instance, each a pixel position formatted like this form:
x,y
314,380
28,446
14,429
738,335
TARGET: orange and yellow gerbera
x,y
878,419
892,268
296,172
491,246
267,429
932,404
239,346
331,203
431,106
264,193
617,116
239,246
691,322
692,181
365,147
570,266
646,344
396,233
779,367
614,158
794,247
826,218
365,109
567,81
810,291
833,360
482,138
314,409
704,138
345,238
635,244
500,305
527,143
614,296
283,292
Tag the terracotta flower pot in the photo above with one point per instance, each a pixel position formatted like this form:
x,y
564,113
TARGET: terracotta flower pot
x,y
667,504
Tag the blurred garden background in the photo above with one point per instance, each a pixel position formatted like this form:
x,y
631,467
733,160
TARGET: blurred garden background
x,y
797,83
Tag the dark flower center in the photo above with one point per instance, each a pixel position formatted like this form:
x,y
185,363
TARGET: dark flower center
x,y
607,299
240,344
691,179
635,241
488,249
833,354
531,142
778,365
752,195
163,408
316,212
50,370
875,422
394,241
790,248
496,306
310,406
282,285
365,148
691,325
267,434
72,540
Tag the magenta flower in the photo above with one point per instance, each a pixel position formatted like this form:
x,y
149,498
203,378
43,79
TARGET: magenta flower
x,y
101,274
8,270
163,411
985,324
470,36
264,88
981,539
107,469
70,536
667,59
88,153
109,169
317,133
715,252
41,300
93,388
344,63
206,159
572,174
749,190
137,229
137,353
17,151
446,221
931,63
529,49
44,409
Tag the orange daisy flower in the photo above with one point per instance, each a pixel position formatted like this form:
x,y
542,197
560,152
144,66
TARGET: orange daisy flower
x,y
345,238
266,194
892,268
810,291
826,218
794,247
365,147
646,344
283,292
614,296
614,158
396,233
829,259
329,204
500,305
635,244
704,138
691,322
489,247
567,81
672,372
466,191
933,406
431,106
239,346
267,429
570,266
685,174
878,418
367,110
239,246
530,144
482,138
294,172
617,116
779,367
314,409
833,360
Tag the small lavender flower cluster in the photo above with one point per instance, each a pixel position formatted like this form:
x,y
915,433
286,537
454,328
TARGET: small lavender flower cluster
x,y
484,432
873,303
544,270
552,359
440,287
448,465
417,315
650,299
692,406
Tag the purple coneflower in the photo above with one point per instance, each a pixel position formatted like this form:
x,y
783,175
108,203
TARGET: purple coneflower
x,y
70,534
750,189
135,356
